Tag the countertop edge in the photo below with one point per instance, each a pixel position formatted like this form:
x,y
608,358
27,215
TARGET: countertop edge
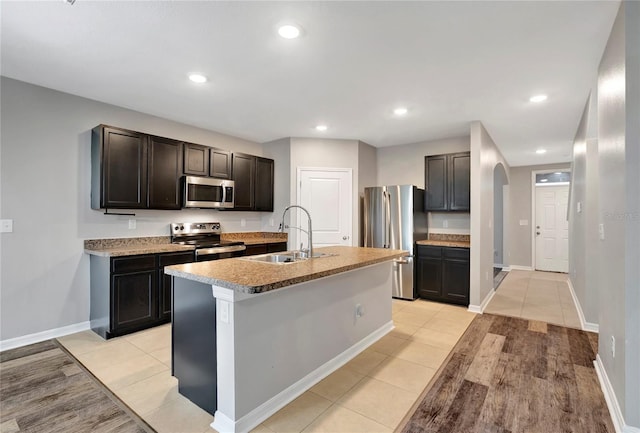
x,y
257,289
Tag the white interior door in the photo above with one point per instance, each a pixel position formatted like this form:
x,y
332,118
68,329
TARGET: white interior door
x,y
552,228
327,194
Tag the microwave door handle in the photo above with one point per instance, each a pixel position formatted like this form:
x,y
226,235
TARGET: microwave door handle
x,y
224,194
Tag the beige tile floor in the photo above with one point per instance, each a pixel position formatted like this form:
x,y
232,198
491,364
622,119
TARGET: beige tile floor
x,y
542,296
371,393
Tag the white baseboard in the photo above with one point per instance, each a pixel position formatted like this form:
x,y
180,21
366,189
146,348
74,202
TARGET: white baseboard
x,y
520,268
480,308
586,326
612,402
499,265
12,343
224,424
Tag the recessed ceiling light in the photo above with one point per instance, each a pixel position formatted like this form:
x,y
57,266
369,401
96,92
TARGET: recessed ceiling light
x,y
198,78
321,128
538,98
289,31
400,111
541,151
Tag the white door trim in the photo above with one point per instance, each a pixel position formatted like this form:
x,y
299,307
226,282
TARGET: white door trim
x,y
533,207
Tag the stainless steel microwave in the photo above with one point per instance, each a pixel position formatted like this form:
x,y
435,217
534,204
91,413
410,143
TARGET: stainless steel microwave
x,y
205,192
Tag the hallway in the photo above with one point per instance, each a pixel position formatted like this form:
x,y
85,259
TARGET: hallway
x,y
536,295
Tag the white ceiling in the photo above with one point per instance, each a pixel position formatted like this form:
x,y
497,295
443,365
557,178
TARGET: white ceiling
x,y
448,62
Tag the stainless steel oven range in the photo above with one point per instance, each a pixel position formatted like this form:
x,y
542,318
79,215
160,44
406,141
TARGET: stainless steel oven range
x,y
206,239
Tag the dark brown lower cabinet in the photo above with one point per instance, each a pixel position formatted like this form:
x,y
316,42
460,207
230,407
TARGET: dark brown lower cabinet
x,y
272,247
131,293
442,274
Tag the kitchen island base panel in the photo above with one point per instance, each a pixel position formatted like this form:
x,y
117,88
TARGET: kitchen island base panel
x,y
193,342
274,346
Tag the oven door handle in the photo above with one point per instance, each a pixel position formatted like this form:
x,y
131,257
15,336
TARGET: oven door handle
x,y
218,250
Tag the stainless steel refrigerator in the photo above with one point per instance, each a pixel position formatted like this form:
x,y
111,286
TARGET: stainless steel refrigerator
x,y
394,218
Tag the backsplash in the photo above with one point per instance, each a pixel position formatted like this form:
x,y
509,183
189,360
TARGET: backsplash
x,y
449,237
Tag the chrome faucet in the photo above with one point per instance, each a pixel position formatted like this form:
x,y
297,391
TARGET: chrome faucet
x,y
308,231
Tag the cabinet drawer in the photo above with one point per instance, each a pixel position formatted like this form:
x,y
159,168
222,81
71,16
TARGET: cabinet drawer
x,y
169,259
456,253
427,251
123,265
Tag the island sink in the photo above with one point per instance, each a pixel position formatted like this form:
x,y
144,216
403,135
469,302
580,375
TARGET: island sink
x,y
289,257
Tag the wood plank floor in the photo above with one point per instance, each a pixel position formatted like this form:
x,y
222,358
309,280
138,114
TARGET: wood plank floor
x,y
510,375
43,389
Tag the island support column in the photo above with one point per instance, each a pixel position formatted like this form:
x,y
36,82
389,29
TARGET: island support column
x,y
271,347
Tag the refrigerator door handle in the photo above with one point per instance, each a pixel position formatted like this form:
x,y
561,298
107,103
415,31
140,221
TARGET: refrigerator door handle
x,y
401,261
387,209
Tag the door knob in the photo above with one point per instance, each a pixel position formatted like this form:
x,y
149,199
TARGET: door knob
x,y
537,233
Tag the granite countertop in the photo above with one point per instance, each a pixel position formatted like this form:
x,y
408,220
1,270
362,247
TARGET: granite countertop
x,y
442,243
252,277
119,247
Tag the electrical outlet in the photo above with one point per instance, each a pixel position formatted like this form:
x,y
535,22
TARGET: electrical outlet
x,y
359,311
613,346
132,224
486,276
6,226
579,207
601,231
243,222
445,224
271,222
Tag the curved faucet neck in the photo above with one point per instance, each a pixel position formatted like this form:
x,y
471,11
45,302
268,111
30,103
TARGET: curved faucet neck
x,y
310,230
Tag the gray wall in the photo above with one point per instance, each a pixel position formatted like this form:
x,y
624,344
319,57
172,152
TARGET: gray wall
x,y
499,221
404,164
280,152
367,176
45,180
619,202
485,155
519,236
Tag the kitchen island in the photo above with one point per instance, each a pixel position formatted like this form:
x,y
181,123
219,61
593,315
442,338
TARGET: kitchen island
x,y
249,336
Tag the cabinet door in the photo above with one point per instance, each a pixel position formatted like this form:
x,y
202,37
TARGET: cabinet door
x,y
455,281
196,159
134,301
435,183
165,170
264,185
429,278
244,174
123,168
220,163
459,181
252,250
165,281
276,247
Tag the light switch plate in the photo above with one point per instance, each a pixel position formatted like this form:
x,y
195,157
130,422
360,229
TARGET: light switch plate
x,y
524,222
579,207
132,224
601,231
6,226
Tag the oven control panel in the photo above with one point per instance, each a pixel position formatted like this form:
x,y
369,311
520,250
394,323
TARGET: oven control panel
x,y
194,228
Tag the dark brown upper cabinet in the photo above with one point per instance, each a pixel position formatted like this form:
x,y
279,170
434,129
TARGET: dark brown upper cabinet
x,y
118,168
253,176
196,159
244,176
202,160
165,170
220,163
132,170
264,185
447,182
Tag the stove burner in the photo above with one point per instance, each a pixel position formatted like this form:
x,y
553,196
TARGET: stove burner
x,y
205,237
